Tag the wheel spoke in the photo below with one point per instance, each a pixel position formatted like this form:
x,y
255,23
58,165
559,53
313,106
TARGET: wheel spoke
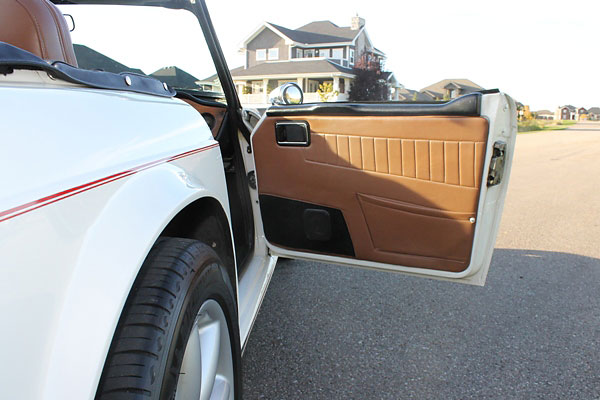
x,y
222,389
210,338
189,386
207,368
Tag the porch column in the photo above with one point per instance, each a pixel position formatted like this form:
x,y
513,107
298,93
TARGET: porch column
x,y
265,88
336,83
336,87
301,83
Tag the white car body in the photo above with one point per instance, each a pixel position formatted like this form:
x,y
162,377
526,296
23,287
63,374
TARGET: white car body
x,y
90,195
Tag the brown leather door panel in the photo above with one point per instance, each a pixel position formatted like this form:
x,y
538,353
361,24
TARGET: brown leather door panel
x,y
207,112
415,228
408,186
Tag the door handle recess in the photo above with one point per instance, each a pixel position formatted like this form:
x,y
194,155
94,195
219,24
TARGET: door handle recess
x,y
292,133
497,164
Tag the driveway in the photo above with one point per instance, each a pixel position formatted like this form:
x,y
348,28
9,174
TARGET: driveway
x,y
533,332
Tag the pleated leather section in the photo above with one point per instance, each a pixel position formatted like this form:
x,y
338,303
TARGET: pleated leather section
x,y
449,162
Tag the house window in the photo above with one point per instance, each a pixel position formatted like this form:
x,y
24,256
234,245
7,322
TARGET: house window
x,y
312,86
351,56
261,55
274,53
298,53
324,53
337,54
257,87
342,85
309,53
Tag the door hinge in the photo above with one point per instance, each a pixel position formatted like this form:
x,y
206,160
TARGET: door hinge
x,y
497,164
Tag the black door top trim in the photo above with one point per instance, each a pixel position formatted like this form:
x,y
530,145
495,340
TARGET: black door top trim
x,y
467,106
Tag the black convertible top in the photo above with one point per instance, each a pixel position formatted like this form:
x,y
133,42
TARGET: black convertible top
x,y
12,58
175,4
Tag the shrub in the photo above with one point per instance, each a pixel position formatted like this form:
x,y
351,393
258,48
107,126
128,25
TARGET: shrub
x,y
326,91
530,125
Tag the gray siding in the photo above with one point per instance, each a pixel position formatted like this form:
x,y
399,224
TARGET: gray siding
x,y
265,40
362,44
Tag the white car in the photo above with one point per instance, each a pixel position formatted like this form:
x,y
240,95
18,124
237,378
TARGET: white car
x,y
141,217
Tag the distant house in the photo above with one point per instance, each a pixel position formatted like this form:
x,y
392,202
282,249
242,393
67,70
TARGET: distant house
x,y
594,114
91,59
176,77
448,89
544,114
412,95
567,112
311,55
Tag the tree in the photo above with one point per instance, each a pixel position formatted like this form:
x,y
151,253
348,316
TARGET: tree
x,y
326,91
369,83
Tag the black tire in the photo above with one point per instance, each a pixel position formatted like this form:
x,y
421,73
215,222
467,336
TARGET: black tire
x,y
146,353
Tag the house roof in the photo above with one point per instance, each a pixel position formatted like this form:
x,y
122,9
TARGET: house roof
x,y
431,95
314,34
570,107
438,88
594,110
391,79
176,77
544,112
91,59
330,29
290,68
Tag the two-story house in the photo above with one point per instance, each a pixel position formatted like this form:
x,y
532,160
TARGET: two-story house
x,y
567,112
316,53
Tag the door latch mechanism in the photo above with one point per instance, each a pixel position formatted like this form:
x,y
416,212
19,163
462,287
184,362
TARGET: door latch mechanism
x,y
497,164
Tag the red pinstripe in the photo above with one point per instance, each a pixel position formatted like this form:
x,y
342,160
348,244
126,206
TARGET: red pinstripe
x,y
44,201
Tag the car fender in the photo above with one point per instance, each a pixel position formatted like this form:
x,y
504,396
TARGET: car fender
x,y
127,227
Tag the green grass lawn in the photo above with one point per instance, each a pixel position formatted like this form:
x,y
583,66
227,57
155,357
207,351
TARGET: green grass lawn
x,y
537,125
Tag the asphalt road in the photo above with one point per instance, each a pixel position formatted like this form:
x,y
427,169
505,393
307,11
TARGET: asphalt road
x,y
533,332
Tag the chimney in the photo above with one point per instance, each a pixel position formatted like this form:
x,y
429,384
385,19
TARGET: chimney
x,y
357,23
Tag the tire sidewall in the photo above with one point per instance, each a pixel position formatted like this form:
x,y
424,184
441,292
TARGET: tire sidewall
x,y
209,282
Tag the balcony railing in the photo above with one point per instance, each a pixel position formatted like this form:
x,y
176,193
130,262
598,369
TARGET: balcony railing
x,y
260,100
254,98
342,62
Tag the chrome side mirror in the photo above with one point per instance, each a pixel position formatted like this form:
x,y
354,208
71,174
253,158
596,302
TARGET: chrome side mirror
x,y
288,93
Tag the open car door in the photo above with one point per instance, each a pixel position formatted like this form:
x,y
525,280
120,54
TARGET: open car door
x,y
413,188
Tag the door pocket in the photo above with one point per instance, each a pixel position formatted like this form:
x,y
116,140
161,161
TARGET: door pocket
x,y
410,229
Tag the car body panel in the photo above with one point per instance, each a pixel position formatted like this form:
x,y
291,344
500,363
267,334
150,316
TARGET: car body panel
x,y
71,255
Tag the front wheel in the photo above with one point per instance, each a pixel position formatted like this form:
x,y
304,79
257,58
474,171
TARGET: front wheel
x,y
178,336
